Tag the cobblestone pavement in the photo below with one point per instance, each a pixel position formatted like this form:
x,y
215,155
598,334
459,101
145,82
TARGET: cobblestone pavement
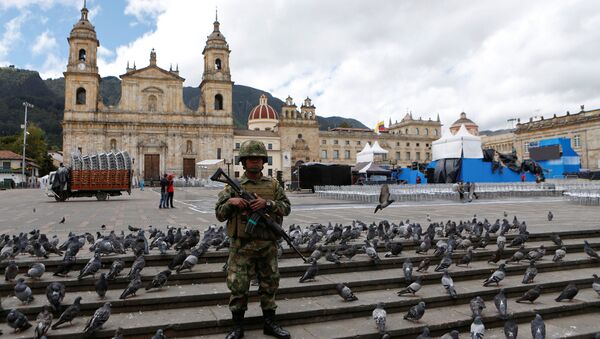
x,y
194,207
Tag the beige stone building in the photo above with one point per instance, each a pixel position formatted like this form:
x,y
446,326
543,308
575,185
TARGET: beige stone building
x,y
162,134
583,128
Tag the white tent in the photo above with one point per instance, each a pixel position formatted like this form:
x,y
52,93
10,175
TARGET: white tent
x,y
209,162
376,149
366,155
451,146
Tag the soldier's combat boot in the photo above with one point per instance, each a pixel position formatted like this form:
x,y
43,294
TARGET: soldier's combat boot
x,y
238,326
271,328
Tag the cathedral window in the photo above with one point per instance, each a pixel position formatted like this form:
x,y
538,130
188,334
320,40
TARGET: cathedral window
x,y
576,140
113,144
427,131
435,132
416,131
152,103
82,55
347,154
218,102
80,96
406,131
218,64
218,153
188,147
270,146
270,160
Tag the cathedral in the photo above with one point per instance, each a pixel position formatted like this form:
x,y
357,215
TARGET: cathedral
x,y
163,135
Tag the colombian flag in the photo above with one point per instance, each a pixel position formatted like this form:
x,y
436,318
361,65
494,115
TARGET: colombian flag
x,y
380,127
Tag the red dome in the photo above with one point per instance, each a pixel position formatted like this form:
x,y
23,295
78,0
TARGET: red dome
x,y
263,110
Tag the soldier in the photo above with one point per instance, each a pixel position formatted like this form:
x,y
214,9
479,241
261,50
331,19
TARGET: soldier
x,y
256,253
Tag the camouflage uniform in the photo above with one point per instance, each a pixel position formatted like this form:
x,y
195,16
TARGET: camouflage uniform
x,y
254,254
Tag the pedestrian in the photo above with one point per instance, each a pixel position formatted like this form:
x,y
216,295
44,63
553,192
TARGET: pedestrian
x,y
418,180
522,176
461,190
141,184
170,191
163,192
253,254
472,191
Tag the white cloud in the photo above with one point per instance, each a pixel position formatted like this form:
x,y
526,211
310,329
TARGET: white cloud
x,y
38,4
53,67
12,33
44,43
376,60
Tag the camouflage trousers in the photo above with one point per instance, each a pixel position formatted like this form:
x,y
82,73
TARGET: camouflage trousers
x,y
249,258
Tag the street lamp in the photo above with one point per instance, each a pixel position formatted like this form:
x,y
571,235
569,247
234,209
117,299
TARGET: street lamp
x,y
228,164
27,105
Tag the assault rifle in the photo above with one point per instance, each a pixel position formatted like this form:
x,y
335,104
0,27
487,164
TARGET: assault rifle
x,y
256,216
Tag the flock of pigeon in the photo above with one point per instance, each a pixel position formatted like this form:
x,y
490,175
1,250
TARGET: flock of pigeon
x,y
332,242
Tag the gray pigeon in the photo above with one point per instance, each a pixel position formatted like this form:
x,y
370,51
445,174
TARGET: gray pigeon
x,y
11,271
345,292
189,262
477,306
23,292
44,321
416,312
101,285
531,295
467,258
559,254
556,240
17,320
407,269
311,273
530,273
550,216
413,288
116,268
384,198
538,327
379,315
159,334
98,319
371,252
36,271
477,329
138,264
511,329
424,265
454,334
496,277
55,293
118,333
69,314
159,280
91,267
587,248
501,304
332,257
134,285
448,284
596,284
444,263
426,334
568,293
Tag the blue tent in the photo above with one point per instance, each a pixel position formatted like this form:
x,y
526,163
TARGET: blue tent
x,y
556,157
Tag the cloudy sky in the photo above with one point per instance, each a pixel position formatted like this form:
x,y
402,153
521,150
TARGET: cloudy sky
x,y
369,60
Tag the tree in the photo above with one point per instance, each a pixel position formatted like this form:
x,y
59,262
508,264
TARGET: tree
x,y
37,147
345,124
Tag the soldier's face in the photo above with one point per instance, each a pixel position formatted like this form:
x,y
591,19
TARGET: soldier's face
x,y
254,165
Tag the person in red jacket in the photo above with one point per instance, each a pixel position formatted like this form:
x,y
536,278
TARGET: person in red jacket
x,y
170,191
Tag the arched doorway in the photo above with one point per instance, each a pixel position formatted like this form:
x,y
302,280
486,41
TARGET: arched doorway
x,y
295,175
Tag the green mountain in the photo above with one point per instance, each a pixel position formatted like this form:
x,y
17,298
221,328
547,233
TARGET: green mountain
x,y
47,96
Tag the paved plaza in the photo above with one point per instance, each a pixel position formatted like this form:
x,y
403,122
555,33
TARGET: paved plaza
x,y
195,208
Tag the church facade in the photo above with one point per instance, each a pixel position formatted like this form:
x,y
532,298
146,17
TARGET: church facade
x,y
163,135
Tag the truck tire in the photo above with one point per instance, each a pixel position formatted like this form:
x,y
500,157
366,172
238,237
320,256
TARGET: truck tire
x,y
101,196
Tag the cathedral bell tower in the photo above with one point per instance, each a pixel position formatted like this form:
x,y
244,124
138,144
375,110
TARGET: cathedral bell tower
x,y
216,87
82,81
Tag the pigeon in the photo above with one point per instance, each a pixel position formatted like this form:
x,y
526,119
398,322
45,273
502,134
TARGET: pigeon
x,y
118,333
66,266
395,249
311,273
345,292
69,314
416,312
518,255
98,319
17,320
531,295
349,253
178,259
133,229
413,288
332,257
550,216
159,334
23,292
501,304
497,255
467,258
496,277
407,269
36,271
55,293
426,334
454,334
424,246
511,329
538,328
62,221
91,267
384,198
530,273
557,240
568,293
101,285
138,265
559,254
596,284
448,284
116,268
371,252
444,263
477,305
134,285
159,280
189,262
11,271
424,265
477,329
590,251
379,315
44,321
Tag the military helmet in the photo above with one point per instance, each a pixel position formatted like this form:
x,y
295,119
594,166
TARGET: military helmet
x,y
253,148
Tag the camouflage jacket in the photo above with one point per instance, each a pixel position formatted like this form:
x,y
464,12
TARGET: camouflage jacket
x,y
265,187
